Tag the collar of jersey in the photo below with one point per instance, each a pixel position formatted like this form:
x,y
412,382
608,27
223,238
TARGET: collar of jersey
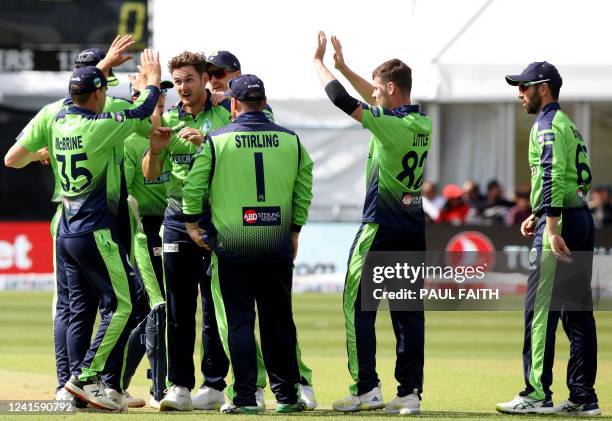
x,y
405,109
207,106
548,107
73,109
252,117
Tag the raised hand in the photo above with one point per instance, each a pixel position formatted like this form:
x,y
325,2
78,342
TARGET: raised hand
x,y
116,54
338,56
321,45
159,139
150,67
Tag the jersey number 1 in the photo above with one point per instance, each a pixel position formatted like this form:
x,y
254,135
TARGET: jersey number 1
x,y
75,172
259,177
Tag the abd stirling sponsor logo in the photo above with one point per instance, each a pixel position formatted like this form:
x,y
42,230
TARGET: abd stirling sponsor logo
x,y
470,248
261,216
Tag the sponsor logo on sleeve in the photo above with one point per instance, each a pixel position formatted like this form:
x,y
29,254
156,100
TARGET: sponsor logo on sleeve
x,y
261,216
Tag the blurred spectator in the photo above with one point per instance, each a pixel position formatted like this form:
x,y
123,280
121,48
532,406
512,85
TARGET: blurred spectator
x,y
601,207
432,201
495,209
522,210
454,210
474,200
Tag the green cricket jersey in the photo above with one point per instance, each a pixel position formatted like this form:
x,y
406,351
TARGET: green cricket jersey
x,y
37,133
88,148
560,169
150,194
179,152
259,179
398,149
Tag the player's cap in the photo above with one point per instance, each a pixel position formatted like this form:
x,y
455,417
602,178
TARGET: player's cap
x,y
225,60
536,72
86,79
247,87
451,191
91,57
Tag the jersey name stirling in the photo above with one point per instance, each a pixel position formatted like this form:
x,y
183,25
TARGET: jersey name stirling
x,y
400,142
88,148
560,169
179,152
269,174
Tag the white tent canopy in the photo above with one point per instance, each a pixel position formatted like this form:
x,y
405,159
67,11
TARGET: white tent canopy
x,y
459,51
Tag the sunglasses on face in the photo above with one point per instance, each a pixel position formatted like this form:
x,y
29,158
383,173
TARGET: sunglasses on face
x,y
218,73
524,86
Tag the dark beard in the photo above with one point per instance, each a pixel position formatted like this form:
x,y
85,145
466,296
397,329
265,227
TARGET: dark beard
x,y
535,105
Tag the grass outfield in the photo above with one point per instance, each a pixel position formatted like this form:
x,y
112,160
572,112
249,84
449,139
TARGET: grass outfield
x,y
472,360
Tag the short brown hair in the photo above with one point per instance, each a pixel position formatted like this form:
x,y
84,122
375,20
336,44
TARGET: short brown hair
x,y
80,99
395,71
253,104
187,58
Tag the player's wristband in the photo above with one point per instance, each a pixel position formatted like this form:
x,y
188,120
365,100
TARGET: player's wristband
x,y
341,98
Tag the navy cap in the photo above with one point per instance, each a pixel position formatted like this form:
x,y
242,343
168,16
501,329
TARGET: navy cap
x,y
225,60
91,57
86,79
247,87
536,72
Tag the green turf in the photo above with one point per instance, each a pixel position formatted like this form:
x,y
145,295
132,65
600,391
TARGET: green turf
x,y
472,360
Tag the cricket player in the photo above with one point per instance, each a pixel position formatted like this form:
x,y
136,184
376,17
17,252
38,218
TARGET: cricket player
x,y
393,220
90,165
34,143
148,200
254,235
185,264
223,66
562,230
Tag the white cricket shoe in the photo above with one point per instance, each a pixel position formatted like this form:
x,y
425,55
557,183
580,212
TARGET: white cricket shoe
x,y
154,403
525,405
118,398
307,396
259,398
569,408
405,405
133,402
366,402
208,398
63,395
92,391
177,398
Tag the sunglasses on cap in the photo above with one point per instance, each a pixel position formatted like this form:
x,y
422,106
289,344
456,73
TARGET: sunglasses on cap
x,y
524,86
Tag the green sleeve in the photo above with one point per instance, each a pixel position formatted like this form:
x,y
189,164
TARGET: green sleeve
x,y
302,190
553,160
37,133
129,164
196,183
